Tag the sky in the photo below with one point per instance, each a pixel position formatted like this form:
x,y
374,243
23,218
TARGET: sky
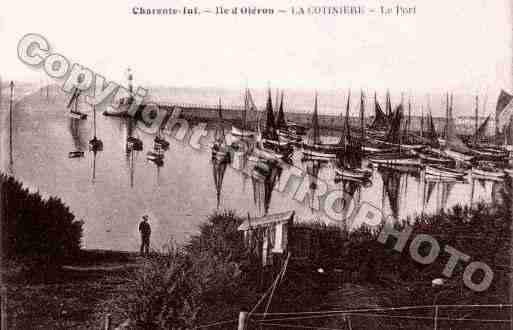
x,y
461,46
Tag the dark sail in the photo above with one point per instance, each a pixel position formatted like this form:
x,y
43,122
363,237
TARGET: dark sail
x,y
481,131
280,121
431,134
270,130
313,136
388,106
380,119
394,132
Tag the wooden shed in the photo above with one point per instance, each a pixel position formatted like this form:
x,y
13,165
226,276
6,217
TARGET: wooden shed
x,y
268,236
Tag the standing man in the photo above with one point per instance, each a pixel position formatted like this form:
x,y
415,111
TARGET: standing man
x,y
145,230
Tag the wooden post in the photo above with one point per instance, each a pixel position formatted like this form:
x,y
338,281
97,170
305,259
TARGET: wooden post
x,y
107,322
243,318
510,188
11,161
435,326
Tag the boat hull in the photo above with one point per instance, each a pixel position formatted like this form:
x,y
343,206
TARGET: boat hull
x,y
458,156
358,174
239,133
444,172
495,175
321,151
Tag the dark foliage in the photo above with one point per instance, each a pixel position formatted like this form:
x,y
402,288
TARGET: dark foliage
x,y
214,276
36,231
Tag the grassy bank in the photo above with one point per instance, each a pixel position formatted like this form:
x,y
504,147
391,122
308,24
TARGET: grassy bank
x,y
215,276
67,297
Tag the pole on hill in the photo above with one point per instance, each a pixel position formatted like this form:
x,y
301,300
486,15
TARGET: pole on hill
x,y
107,322
11,161
243,317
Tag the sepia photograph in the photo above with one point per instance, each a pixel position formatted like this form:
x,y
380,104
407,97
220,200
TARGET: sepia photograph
x,y
255,165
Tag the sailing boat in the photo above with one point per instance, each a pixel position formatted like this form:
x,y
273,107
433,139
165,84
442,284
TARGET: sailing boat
x,y
487,170
484,151
159,141
350,166
380,124
95,144
312,146
73,104
401,155
289,132
242,132
220,151
268,140
431,153
454,146
375,142
132,143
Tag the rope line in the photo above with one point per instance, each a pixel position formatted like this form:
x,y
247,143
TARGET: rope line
x,y
214,324
400,317
387,309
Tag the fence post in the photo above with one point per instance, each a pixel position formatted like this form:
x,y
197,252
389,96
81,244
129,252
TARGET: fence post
x,y
107,322
242,320
436,318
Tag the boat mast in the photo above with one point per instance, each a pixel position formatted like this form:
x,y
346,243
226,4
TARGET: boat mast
x,y
94,121
446,117
246,101
421,121
11,161
476,118
362,115
347,133
315,122
388,106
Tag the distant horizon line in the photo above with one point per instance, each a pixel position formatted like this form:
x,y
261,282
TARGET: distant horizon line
x,y
367,91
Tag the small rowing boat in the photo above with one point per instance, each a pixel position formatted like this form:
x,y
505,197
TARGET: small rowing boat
x,y
76,154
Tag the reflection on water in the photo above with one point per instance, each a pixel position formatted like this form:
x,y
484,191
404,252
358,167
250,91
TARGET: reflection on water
x,y
113,188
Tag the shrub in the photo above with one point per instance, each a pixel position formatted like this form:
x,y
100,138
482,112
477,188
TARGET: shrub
x,y
193,285
35,230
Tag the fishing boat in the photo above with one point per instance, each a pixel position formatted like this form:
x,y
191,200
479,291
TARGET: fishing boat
x,y
242,132
444,172
373,146
159,142
133,143
76,154
479,146
220,151
431,153
289,133
454,147
268,145
488,171
408,159
401,138
379,126
95,144
312,148
400,155
353,173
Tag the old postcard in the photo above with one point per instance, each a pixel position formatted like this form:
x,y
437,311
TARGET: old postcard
x,y
256,164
